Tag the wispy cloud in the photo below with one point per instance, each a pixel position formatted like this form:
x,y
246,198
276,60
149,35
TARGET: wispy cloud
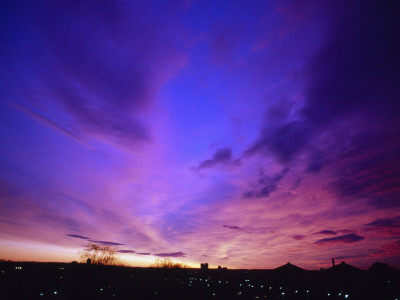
x,y
48,122
368,156
221,157
265,185
389,250
351,256
328,232
105,89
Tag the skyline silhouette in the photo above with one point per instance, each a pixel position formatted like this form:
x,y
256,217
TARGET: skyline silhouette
x,y
84,281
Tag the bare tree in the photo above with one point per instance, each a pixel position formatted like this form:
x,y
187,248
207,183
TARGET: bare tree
x,y
99,254
167,263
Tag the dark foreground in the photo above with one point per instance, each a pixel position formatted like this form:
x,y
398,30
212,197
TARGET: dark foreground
x,y
80,281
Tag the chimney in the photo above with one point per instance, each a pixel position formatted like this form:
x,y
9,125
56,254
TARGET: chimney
x,y
333,262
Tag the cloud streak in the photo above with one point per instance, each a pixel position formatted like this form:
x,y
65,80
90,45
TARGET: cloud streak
x,y
231,227
173,254
78,236
47,122
126,251
345,239
107,243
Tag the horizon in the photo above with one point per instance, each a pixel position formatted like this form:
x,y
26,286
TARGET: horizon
x,y
217,268
244,135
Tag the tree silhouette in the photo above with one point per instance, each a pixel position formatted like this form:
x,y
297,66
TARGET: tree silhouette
x,y
167,263
99,254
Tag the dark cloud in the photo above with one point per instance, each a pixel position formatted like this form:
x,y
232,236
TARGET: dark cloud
x,y
357,67
393,222
330,232
106,243
221,157
298,237
385,227
78,236
265,185
316,162
296,184
143,253
231,227
284,140
126,251
389,250
370,169
173,254
354,74
347,239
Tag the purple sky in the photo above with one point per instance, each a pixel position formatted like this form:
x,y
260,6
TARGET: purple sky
x,y
239,133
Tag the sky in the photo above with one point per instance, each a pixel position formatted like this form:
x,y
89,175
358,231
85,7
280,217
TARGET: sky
x,y
245,134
